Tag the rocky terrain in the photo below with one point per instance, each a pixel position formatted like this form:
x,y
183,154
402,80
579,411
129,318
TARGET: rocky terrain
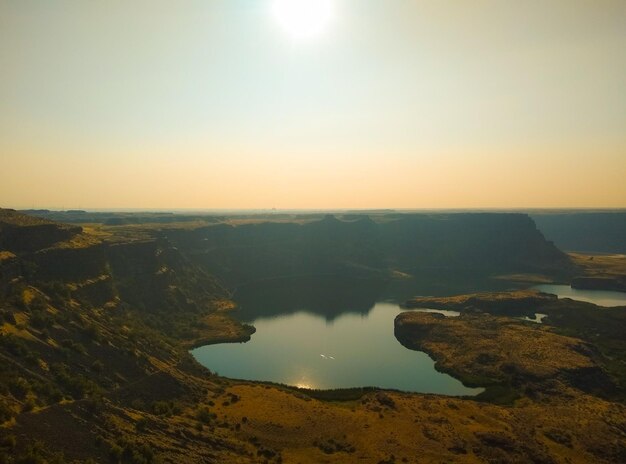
x,y
95,329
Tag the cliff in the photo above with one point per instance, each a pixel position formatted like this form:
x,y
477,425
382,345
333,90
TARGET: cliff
x,y
481,243
143,271
589,231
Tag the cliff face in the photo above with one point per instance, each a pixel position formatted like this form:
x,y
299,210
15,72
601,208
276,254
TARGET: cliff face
x,y
482,243
489,242
149,273
591,232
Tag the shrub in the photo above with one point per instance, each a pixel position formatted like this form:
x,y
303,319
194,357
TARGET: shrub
x,y
40,319
115,452
38,303
19,387
34,455
74,346
28,405
204,415
9,317
8,441
141,425
5,412
77,385
14,345
92,332
97,366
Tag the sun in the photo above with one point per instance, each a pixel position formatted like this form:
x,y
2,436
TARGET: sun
x,y
303,19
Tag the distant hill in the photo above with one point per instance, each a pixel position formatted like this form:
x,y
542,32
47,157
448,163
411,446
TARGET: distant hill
x,y
594,232
482,243
117,218
21,232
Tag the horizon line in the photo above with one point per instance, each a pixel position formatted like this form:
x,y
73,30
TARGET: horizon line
x,y
310,210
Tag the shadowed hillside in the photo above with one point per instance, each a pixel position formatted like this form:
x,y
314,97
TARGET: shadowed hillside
x,y
482,243
19,232
592,232
86,320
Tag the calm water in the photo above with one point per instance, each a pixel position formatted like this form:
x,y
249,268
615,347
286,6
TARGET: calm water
x,y
336,333
312,351
443,312
599,297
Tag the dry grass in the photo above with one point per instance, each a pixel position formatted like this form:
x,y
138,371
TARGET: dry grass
x,y
416,428
6,255
487,346
600,265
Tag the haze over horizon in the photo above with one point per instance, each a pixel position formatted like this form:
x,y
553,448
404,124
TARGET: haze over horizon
x,y
401,104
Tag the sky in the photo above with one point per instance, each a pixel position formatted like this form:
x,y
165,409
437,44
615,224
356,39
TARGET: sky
x,y
213,104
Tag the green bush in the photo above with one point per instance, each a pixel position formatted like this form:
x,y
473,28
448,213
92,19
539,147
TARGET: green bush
x,y
74,346
165,408
40,319
8,317
204,415
38,304
77,386
14,345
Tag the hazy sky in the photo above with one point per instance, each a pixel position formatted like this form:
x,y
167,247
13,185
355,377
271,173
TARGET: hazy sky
x,y
398,103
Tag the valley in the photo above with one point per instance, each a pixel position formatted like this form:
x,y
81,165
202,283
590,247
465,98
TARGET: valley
x,y
98,322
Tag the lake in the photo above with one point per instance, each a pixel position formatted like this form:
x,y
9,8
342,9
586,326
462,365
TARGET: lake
x,y
328,332
599,297
352,350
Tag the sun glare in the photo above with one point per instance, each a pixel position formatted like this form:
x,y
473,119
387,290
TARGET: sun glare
x,y
303,19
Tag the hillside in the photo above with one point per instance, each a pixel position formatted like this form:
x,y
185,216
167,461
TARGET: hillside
x,y
407,244
20,232
85,320
589,232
